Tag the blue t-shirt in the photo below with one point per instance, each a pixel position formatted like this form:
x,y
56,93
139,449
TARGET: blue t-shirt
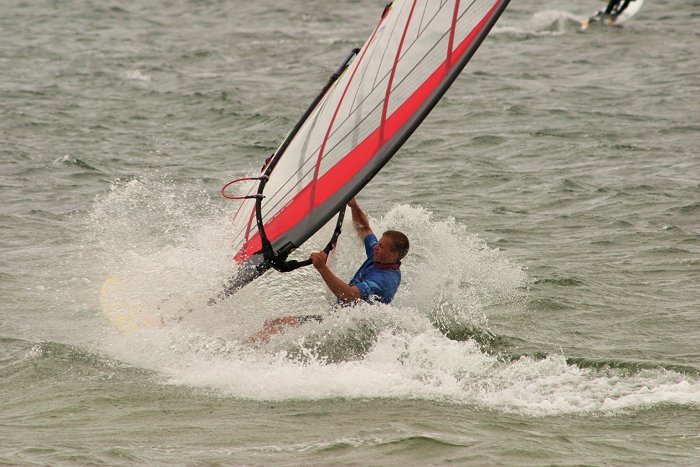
x,y
375,282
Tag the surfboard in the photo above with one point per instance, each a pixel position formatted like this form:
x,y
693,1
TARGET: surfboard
x,y
119,307
631,10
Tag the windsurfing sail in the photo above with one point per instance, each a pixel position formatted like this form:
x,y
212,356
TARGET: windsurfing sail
x,y
367,110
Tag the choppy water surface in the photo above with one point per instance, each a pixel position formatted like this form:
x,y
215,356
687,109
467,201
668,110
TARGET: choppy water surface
x,y
549,311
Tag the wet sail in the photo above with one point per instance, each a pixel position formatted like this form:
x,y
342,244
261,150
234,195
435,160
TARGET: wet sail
x,y
366,112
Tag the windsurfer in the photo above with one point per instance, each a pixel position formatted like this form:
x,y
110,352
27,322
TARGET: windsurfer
x,y
615,7
611,12
377,279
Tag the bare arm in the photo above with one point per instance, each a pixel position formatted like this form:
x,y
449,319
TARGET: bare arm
x,y
345,293
359,219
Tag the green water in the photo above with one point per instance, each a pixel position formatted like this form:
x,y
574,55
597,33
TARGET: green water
x,y
549,310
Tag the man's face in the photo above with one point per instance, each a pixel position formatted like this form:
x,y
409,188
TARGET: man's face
x,y
383,252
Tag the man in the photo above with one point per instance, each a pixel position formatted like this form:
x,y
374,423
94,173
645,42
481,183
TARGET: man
x,y
615,7
378,278
610,13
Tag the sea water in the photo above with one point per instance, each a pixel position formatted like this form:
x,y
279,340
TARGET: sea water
x,y
549,311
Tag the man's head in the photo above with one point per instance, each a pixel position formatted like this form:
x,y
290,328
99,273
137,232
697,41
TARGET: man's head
x,y
392,247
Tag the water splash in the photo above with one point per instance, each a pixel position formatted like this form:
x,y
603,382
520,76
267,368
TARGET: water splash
x,y
452,283
544,23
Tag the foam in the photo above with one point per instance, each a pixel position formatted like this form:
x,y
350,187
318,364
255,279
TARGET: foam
x,y
452,278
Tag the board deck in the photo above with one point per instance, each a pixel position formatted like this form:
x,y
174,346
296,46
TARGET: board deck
x,y
122,311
